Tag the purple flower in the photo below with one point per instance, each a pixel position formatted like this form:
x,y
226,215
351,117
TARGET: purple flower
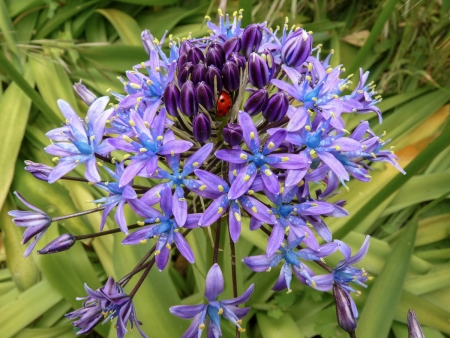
x,y
85,94
105,304
166,227
214,309
291,262
83,140
59,244
345,273
217,189
296,48
36,223
260,160
38,170
344,311
149,142
414,329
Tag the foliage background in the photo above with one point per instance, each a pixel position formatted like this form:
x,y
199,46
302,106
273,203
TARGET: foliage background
x,y
47,45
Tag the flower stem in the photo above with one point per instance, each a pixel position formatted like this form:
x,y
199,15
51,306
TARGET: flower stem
x,y
60,218
233,276
104,233
149,266
217,241
352,334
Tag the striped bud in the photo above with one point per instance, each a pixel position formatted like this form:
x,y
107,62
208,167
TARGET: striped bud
x,y
171,98
296,48
276,107
258,72
251,39
61,243
233,134
201,127
231,76
257,102
188,102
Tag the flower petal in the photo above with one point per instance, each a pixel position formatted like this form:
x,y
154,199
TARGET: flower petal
x,y
214,283
183,247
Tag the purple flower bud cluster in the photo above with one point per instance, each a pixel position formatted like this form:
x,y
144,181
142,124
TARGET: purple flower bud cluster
x,y
237,128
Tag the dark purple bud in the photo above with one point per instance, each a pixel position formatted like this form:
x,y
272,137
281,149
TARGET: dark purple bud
x,y
214,75
38,170
184,72
231,76
202,128
251,39
414,329
195,55
188,103
296,48
62,243
147,41
238,59
214,58
218,48
257,102
205,95
232,134
182,61
185,47
344,313
232,45
172,99
199,73
270,61
258,72
277,107
85,94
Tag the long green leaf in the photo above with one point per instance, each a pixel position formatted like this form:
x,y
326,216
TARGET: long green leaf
x,y
13,121
127,28
379,309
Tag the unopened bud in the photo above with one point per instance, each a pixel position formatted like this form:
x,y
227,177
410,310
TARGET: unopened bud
x,y
62,243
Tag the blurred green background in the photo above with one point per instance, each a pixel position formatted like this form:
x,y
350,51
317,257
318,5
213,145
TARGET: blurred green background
x,y
48,45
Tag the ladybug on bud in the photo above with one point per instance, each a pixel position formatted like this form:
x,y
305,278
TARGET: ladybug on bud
x,y
224,104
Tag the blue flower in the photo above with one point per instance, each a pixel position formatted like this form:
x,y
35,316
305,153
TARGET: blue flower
x,y
105,304
81,140
214,309
36,223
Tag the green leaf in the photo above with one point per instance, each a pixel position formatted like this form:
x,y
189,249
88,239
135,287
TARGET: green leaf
x,y
7,28
13,121
278,328
379,309
127,28
26,307
46,332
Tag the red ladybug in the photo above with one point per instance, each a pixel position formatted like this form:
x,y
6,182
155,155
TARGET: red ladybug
x,y
224,104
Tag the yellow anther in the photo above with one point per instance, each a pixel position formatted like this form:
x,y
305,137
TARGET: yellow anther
x,y
254,209
77,161
246,178
312,152
168,246
55,159
308,78
157,69
172,153
332,114
157,220
220,187
108,90
195,164
135,85
346,131
92,138
126,157
367,176
127,139
310,65
142,150
310,112
313,283
337,148
202,187
314,99
237,216
287,229
243,156
220,210
207,17
149,82
308,128
347,188
251,192
234,172
268,172
158,195
157,252
143,241
284,159
140,223
139,99
201,326
268,270
269,61
343,87
373,155
182,199
252,135
241,329
100,164
271,145
220,311
159,138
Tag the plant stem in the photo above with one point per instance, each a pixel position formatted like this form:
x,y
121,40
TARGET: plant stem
x,y
217,241
104,233
352,334
60,218
144,275
233,276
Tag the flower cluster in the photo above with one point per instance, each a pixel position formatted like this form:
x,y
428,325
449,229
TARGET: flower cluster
x,y
241,124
